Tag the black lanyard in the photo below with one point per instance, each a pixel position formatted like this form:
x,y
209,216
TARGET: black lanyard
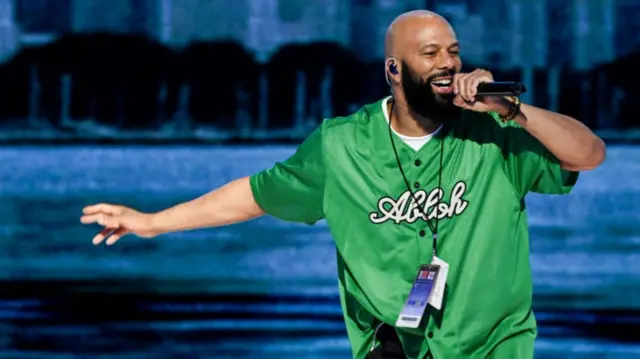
x,y
432,227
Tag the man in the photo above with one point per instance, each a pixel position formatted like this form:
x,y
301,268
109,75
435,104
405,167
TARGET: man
x,y
433,158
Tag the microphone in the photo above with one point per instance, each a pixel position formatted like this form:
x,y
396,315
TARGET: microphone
x,y
500,89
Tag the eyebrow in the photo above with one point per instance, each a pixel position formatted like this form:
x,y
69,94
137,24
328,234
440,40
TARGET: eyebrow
x,y
422,48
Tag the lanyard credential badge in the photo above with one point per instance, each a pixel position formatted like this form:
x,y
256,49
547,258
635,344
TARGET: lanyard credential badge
x,y
437,294
421,291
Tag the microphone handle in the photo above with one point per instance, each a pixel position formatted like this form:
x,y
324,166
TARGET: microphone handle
x,y
505,88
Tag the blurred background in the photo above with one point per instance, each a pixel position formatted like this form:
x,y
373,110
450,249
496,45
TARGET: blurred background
x,y
152,102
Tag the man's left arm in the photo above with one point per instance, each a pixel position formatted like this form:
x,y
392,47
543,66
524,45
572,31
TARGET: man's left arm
x,y
575,146
544,151
570,141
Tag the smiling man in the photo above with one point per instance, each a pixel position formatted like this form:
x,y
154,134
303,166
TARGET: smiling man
x,y
423,192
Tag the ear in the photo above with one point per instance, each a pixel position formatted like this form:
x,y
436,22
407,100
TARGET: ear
x,y
392,71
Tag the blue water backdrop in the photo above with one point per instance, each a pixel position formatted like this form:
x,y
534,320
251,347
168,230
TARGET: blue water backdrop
x,y
265,288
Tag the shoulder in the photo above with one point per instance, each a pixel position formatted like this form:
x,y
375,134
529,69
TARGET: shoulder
x,y
348,128
361,117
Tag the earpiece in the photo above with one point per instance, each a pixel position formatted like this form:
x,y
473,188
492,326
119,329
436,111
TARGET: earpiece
x,y
392,68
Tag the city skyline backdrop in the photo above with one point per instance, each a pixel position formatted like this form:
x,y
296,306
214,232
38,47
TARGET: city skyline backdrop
x,y
506,33
281,66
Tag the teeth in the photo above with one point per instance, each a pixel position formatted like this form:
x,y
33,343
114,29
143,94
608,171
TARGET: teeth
x,y
442,82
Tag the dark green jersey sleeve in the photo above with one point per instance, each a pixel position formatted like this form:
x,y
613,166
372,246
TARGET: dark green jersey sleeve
x,y
293,190
530,166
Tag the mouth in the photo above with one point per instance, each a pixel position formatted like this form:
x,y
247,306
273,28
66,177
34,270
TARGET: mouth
x,y
442,85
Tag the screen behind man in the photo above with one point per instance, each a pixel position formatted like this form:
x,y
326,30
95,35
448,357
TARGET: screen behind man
x,y
434,158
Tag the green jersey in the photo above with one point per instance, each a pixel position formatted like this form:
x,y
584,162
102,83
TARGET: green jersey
x,y
347,173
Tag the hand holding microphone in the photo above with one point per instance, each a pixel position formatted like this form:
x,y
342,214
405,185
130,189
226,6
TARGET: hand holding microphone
x,y
476,91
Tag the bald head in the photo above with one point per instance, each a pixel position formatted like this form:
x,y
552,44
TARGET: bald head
x,y
422,41
411,27
421,57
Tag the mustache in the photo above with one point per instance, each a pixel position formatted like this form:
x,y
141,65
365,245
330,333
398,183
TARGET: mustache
x,y
441,74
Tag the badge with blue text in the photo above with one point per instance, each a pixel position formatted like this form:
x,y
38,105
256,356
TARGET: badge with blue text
x,y
418,298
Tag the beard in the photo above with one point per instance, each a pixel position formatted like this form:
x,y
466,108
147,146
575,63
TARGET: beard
x,y
421,98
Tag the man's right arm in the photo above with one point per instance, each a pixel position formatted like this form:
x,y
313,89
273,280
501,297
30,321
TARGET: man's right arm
x,y
229,204
292,190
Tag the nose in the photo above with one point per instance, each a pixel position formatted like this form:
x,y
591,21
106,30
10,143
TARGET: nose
x,y
446,61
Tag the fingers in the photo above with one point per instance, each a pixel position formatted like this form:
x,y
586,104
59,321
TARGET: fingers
x,y
92,218
112,236
478,76
466,85
108,216
472,87
457,83
101,236
111,227
459,101
461,89
466,91
110,209
116,235
101,219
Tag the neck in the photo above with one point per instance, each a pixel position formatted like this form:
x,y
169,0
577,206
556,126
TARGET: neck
x,y
406,122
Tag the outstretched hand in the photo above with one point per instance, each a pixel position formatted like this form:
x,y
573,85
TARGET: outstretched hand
x,y
117,221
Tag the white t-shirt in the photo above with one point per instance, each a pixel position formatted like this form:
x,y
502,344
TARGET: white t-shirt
x,y
415,142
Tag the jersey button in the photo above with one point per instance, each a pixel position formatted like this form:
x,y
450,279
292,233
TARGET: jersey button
x,y
418,162
416,185
430,335
422,233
